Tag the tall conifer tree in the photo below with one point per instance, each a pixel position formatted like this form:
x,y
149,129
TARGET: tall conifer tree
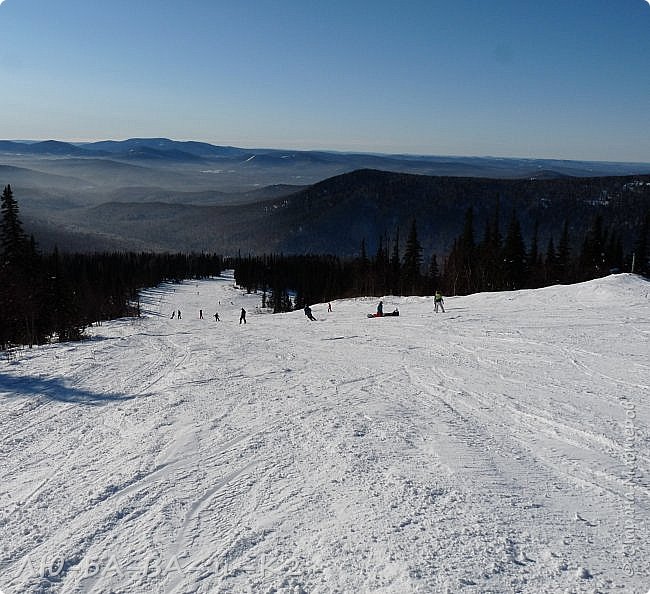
x,y
514,255
412,261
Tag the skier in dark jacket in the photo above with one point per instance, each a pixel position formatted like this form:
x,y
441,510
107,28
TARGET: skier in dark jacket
x,y
242,317
380,309
309,314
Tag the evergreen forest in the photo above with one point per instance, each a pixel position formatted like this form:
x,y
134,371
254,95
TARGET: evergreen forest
x,y
56,296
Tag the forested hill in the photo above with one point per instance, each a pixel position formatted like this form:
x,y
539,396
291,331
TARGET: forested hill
x,y
337,214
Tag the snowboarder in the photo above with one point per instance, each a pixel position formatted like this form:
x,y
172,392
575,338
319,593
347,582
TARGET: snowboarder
x,y
329,307
200,314
380,309
438,302
216,317
308,313
242,317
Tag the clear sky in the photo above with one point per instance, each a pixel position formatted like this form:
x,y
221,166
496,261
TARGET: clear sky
x,y
555,78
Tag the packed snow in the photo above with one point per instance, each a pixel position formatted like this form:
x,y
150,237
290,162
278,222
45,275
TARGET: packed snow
x,y
502,446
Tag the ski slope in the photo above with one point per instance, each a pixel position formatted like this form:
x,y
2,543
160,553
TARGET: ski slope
x,y
503,446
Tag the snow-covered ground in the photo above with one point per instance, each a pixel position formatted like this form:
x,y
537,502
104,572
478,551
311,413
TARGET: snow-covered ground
x,y
503,446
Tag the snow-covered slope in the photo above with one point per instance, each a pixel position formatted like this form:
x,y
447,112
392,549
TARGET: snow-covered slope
x,y
500,447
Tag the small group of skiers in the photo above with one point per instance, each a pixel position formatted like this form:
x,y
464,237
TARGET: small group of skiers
x,y
177,314
310,316
438,305
242,315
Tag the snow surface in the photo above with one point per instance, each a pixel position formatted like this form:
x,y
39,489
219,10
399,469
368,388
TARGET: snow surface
x,y
500,447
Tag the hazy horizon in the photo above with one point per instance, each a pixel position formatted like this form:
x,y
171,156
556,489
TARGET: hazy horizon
x,y
504,79
341,151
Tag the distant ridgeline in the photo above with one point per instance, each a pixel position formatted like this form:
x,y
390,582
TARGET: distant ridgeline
x,y
56,296
335,215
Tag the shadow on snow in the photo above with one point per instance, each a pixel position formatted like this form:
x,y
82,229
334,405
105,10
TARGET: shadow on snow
x,y
54,389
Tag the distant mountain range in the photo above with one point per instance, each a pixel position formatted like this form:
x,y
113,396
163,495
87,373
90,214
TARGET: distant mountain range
x,y
173,151
162,194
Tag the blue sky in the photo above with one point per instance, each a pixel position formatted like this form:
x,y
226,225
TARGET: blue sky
x,y
561,79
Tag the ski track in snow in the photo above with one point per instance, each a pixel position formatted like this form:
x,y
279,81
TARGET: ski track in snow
x,y
482,450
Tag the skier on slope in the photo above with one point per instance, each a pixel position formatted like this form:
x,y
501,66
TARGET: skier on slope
x,y
242,317
380,309
309,314
438,302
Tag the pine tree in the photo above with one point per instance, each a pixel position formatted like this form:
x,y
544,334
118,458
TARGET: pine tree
x,y
19,280
613,252
381,267
641,249
551,264
463,258
452,270
514,255
287,305
534,265
13,241
395,267
364,282
491,265
433,276
563,260
364,255
412,261
592,255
